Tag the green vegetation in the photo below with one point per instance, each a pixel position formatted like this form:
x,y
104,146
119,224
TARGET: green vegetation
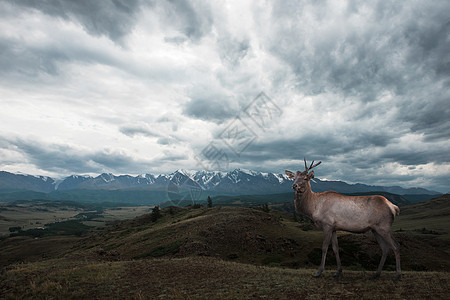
x,y
14,228
70,227
156,214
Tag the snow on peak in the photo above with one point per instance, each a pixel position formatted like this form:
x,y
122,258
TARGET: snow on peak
x,y
108,177
281,177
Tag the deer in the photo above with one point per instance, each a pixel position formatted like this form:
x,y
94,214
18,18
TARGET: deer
x,y
331,212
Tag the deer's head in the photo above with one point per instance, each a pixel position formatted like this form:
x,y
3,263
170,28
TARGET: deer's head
x,y
301,179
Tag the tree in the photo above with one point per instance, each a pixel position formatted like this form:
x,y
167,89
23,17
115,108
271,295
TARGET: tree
x,y
15,228
171,210
156,214
265,207
209,201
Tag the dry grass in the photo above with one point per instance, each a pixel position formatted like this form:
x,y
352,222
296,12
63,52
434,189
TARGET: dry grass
x,y
210,278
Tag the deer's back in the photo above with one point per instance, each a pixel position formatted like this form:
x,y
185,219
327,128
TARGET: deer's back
x,y
353,213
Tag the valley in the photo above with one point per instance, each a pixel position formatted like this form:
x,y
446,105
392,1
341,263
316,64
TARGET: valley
x,y
37,214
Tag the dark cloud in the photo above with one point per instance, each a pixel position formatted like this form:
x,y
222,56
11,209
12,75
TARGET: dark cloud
x,y
172,157
166,140
65,159
314,146
391,49
21,61
214,108
192,19
117,18
132,131
428,114
18,59
112,18
26,59
415,155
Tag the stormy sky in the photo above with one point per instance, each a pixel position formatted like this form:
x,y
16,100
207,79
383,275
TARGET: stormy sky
x,y
134,87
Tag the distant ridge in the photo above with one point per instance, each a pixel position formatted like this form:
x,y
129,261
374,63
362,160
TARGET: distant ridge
x,y
236,182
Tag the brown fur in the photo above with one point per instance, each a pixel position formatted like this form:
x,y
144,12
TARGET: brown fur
x,y
331,211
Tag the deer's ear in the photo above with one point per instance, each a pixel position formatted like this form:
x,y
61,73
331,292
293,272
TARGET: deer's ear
x,y
290,174
311,175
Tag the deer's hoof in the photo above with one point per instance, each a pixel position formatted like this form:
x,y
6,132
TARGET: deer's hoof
x,y
318,274
397,277
375,276
337,274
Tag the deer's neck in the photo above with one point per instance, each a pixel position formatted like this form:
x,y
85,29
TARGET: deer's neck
x,y
305,202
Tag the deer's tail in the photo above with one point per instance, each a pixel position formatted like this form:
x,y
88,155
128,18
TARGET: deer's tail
x,y
394,209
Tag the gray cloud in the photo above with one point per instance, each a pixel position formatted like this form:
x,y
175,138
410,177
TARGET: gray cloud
x,y
28,61
132,131
395,46
213,108
193,19
112,18
65,159
117,18
232,51
428,114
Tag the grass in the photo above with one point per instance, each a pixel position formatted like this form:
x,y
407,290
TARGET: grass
x,y
207,278
20,249
433,216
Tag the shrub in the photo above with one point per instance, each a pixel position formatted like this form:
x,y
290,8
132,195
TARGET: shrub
x,y
232,256
15,228
156,214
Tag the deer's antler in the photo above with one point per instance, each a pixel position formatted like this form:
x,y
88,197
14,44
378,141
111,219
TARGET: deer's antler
x,y
311,166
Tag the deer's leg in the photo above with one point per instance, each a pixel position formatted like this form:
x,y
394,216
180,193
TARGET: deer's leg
x,y
396,247
334,243
385,249
327,233
389,240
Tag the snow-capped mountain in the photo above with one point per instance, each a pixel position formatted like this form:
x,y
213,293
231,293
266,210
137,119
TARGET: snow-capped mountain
x,y
71,182
236,182
26,182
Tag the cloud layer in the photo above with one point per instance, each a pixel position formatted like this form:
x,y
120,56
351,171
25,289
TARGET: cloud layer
x,y
138,86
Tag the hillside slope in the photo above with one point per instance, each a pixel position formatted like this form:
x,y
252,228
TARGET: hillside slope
x,y
251,235
205,278
430,218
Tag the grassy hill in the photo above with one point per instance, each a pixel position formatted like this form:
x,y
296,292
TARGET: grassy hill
x,y
231,252
205,278
427,218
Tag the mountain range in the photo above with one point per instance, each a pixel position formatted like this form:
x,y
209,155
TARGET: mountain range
x,y
236,182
